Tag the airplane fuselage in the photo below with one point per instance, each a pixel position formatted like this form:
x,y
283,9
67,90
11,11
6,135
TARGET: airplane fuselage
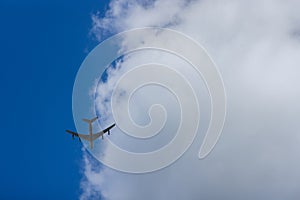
x,y
91,135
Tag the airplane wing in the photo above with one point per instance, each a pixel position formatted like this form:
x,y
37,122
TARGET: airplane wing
x,y
82,136
96,135
107,129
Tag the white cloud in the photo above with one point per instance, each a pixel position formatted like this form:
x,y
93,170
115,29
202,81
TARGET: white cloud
x,y
256,46
93,178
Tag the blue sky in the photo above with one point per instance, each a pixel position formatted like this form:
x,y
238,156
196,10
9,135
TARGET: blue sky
x,y
42,46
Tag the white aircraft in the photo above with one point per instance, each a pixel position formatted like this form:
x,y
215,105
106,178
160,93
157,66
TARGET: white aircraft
x,y
92,136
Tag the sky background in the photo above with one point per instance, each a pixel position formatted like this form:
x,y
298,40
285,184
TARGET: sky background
x,y
42,46
256,45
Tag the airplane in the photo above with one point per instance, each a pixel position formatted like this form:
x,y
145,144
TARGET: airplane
x,y
92,136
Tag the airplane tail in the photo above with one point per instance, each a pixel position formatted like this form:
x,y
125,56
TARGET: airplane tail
x,y
89,121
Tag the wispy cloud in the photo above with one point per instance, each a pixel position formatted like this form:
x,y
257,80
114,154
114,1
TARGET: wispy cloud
x,y
92,180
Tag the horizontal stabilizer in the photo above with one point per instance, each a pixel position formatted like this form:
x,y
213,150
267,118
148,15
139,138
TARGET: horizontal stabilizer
x,y
90,120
